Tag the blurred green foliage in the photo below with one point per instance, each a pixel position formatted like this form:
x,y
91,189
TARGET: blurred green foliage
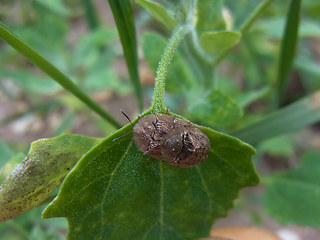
x,y
47,29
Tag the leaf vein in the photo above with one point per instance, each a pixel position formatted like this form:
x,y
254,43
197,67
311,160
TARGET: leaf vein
x,y
222,158
109,185
205,187
75,196
175,232
149,230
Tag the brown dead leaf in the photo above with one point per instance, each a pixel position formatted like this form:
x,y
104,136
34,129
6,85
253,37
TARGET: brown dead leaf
x,y
241,233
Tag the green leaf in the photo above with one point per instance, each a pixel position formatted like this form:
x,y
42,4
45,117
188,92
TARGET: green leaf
x,y
114,192
288,46
159,13
299,114
33,180
219,42
210,16
309,71
214,108
308,66
179,73
102,78
123,16
294,196
57,6
244,99
278,146
90,48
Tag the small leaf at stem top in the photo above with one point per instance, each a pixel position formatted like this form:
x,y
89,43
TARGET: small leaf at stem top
x,y
159,13
219,42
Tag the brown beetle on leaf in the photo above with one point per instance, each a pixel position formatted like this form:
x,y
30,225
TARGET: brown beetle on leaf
x,y
170,139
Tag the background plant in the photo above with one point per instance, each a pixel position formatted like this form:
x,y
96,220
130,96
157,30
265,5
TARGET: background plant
x,y
200,86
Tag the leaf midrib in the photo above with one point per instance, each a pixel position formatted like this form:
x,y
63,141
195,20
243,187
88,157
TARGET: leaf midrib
x,y
161,198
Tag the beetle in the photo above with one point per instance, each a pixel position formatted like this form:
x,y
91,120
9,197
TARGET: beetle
x,y
170,139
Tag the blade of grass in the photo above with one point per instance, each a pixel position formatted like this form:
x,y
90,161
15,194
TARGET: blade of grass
x,y
123,16
288,46
289,119
260,9
35,58
90,14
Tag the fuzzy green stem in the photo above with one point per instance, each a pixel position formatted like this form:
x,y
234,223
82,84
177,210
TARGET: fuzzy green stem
x,y
53,72
158,105
246,26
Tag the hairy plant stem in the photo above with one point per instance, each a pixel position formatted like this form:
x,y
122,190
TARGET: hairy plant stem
x,y
158,105
39,61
